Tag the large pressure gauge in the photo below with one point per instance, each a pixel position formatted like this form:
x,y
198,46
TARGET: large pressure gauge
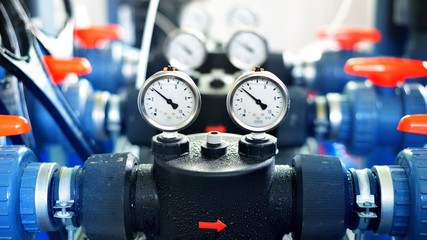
x,y
169,100
194,16
247,49
258,101
185,49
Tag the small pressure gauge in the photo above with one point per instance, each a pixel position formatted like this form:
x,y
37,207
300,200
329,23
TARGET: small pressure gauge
x,y
242,17
258,101
185,49
169,100
194,16
247,49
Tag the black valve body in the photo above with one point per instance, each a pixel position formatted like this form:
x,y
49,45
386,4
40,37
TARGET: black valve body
x,y
253,197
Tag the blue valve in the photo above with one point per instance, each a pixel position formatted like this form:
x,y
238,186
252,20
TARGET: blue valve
x,y
326,74
363,115
114,64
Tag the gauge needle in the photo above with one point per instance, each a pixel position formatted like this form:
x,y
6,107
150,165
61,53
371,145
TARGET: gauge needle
x,y
168,100
245,46
257,101
186,49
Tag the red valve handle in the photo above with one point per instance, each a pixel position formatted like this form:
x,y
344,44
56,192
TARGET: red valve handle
x,y
90,37
386,71
348,37
13,125
60,68
416,123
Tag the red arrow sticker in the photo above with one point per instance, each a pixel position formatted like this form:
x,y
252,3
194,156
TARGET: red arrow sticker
x,y
218,225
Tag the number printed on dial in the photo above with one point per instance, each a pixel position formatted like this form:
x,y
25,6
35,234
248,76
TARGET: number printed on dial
x,y
169,102
258,102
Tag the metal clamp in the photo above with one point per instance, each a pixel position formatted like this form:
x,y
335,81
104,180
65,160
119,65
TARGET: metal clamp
x,y
65,201
365,197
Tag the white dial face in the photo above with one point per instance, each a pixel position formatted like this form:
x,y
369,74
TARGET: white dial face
x,y
185,51
169,103
193,16
247,50
242,17
258,104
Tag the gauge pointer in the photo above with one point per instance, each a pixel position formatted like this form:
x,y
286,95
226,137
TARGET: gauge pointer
x,y
257,101
249,49
168,100
186,49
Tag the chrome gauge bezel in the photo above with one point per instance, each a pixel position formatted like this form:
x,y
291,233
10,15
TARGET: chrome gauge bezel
x,y
240,64
175,75
258,75
172,36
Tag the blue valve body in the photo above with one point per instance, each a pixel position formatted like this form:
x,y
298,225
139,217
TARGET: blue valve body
x,y
53,144
414,161
109,70
13,161
328,72
371,114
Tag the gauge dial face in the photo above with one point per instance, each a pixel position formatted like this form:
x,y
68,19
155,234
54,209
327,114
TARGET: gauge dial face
x,y
258,102
242,17
247,49
185,50
193,16
169,101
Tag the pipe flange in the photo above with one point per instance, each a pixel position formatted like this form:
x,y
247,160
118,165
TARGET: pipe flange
x,y
105,209
43,196
320,199
401,201
13,160
386,189
94,117
364,116
414,161
114,118
27,192
335,115
321,120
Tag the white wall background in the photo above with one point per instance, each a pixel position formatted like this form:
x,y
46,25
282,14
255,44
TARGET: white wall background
x,y
288,24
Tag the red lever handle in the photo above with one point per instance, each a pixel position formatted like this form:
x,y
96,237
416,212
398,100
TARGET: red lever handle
x,y
386,71
348,37
13,125
60,68
416,123
91,37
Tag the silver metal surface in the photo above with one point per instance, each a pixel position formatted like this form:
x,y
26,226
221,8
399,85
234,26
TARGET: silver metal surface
x,y
257,75
387,198
64,188
321,121
170,74
114,117
99,114
365,199
42,193
335,115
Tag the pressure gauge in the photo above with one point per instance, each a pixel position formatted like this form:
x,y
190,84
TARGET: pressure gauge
x,y
247,49
258,101
242,17
185,49
194,16
169,100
